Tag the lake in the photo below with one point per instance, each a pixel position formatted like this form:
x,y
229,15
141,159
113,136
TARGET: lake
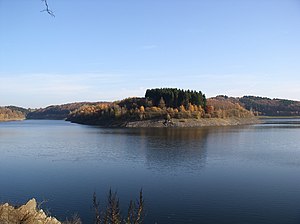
x,y
238,174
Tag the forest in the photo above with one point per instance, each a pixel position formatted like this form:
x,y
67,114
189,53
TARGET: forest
x,y
158,103
164,103
174,98
55,112
264,106
271,107
12,113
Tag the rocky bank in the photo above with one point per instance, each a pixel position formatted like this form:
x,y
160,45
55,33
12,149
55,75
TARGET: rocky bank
x,y
185,123
26,214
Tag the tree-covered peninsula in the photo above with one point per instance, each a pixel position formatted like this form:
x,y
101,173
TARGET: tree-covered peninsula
x,y
159,107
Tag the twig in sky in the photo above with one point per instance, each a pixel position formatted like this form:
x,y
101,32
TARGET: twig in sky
x,y
49,11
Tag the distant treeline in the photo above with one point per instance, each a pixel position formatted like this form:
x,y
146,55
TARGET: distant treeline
x,y
159,103
265,106
12,113
20,109
56,112
271,107
174,98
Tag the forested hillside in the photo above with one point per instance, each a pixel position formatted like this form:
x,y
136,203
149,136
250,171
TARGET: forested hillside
x,y
265,106
12,113
163,103
223,108
271,107
166,103
56,112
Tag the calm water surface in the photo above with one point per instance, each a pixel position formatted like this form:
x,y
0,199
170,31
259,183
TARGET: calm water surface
x,y
245,174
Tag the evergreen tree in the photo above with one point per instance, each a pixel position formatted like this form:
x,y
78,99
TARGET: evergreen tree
x,y
174,98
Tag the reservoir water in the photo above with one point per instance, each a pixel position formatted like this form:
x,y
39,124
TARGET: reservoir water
x,y
239,174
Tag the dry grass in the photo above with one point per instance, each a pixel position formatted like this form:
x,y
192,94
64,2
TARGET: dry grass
x,y
112,213
74,220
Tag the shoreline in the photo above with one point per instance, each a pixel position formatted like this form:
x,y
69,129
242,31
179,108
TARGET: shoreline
x,y
8,120
190,123
173,123
278,117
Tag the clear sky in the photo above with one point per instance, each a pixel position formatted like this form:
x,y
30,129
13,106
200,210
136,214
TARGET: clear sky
x,y
98,50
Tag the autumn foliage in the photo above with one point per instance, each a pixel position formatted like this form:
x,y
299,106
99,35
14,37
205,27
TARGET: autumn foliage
x,y
270,107
223,108
158,104
11,113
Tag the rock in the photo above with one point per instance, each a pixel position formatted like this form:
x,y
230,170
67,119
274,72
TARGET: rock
x,y
30,206
26,214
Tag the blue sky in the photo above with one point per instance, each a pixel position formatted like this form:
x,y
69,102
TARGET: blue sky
x,y
100,50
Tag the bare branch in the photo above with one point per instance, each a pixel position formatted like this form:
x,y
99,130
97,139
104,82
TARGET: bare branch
x,y
49,11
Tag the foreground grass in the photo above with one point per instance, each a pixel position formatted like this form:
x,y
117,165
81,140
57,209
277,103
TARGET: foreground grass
x,y
112,214
109,213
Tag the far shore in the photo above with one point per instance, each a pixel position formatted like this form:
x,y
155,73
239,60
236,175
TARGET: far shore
x,y
279,117
7,120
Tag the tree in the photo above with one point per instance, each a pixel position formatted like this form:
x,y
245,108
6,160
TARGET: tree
x,y
142,109
162,103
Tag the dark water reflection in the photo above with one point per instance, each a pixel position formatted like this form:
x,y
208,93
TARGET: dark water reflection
x,y
246,174
169,150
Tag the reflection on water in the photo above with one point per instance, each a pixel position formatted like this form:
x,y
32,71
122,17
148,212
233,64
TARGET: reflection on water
x,y
173,149
243,174
165,150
